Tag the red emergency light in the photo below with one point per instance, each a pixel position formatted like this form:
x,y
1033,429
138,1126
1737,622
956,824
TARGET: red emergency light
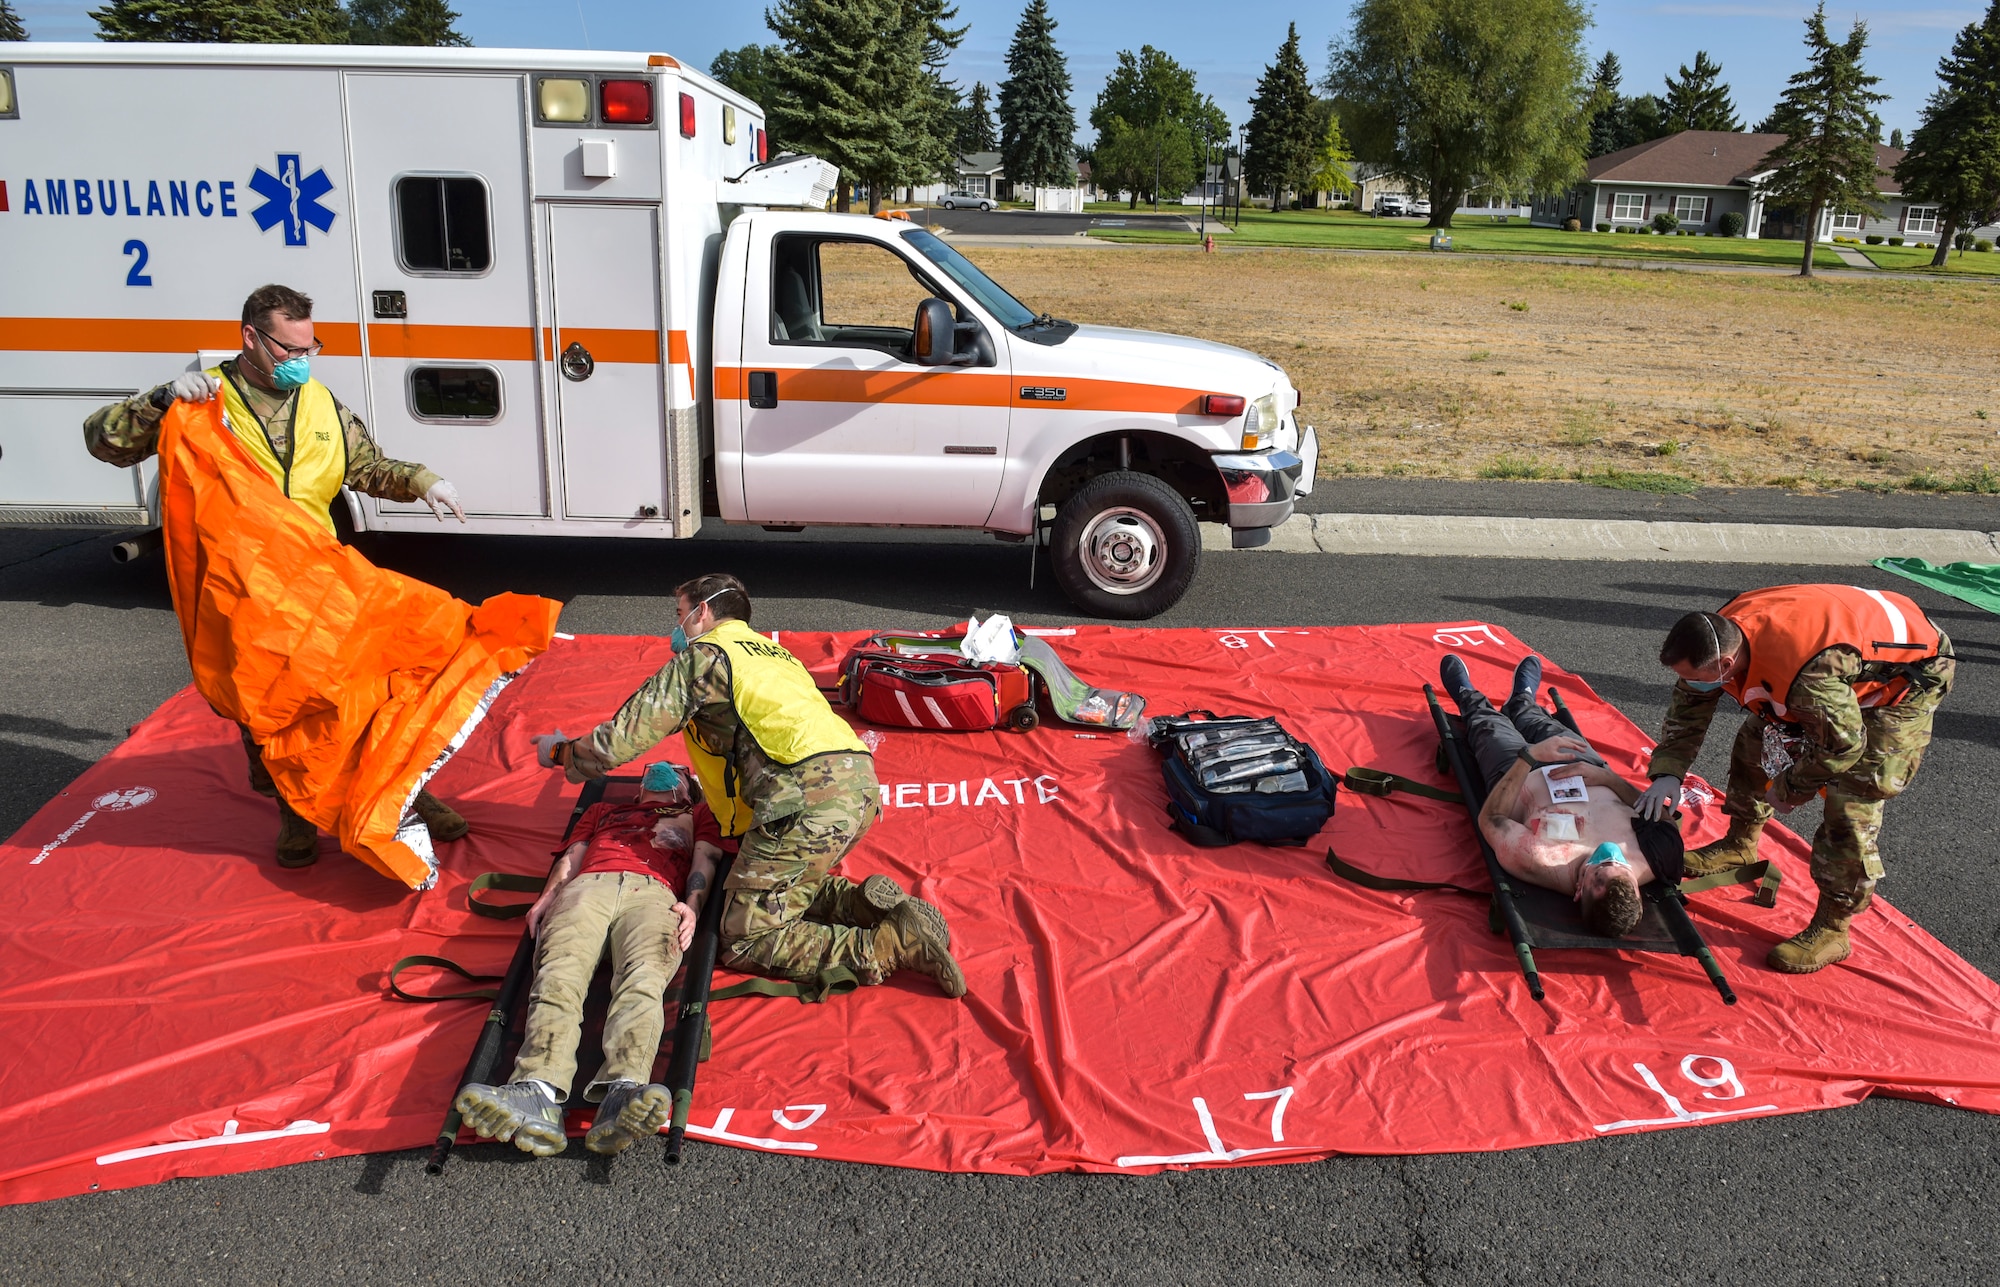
x,y
763,147
1223,404
626,102
687,116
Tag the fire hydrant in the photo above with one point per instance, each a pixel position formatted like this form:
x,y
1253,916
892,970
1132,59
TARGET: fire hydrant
x,y
1208,245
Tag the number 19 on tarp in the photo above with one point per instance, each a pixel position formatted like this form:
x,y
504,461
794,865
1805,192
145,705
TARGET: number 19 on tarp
x,y
1712,1075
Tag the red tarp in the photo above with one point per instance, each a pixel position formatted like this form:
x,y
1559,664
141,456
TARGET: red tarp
x,y
173,1004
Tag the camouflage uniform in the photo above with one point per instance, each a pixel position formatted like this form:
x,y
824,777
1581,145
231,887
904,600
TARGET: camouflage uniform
x,y
786,915
128,432
1859,758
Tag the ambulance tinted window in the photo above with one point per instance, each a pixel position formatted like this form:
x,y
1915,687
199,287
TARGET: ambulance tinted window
x,y
455,393
442,224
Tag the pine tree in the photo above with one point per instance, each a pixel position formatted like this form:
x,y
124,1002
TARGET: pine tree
x,y
1037,127
223,21
1954,157
1607,115
403,22
10,23
1284,136
1699,100
1827,115
975,122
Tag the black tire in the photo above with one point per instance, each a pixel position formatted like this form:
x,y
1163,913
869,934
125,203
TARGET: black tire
x,y
1127,579
947,205
1023,718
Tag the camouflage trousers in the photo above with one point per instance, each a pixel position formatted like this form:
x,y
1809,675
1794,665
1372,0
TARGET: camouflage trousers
x,y
1846,860
787,915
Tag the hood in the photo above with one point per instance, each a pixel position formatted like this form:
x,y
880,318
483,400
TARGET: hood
x,y
1118,353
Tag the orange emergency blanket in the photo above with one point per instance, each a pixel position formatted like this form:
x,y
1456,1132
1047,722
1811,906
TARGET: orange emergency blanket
x,y
355,680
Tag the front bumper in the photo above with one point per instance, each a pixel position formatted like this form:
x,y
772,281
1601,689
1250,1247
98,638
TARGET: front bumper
x,y
1260,487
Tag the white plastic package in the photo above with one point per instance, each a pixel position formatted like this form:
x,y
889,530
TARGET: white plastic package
x,y
990,642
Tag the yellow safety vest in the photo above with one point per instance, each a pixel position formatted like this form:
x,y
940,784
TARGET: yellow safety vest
x,y
318,466
778,704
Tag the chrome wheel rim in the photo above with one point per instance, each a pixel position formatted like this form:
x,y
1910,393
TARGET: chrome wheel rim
x,y
1123,550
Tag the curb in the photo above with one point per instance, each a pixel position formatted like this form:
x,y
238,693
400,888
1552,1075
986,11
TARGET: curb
x,y
1613,540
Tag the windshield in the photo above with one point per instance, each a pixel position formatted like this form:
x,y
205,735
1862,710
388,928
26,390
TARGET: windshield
x,y
1010,312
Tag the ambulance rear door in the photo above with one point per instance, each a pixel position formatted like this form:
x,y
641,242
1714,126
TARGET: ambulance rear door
x,y
440,194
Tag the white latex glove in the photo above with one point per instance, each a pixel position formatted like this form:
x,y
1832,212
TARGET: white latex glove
x,y
441,497
194,386
545,748
1659,800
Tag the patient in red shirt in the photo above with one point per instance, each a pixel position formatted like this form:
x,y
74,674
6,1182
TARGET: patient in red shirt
x,y
628,886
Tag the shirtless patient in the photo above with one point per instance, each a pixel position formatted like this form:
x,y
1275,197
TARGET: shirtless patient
x,y
1568,827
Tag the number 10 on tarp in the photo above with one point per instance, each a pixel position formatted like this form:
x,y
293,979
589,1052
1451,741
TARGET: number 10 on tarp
x,y
1724,1084
1215,1152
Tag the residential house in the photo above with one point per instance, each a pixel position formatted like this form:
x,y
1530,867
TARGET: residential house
x,y
1699,175
980,174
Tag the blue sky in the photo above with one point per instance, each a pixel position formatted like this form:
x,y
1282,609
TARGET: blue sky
x,y
1228,45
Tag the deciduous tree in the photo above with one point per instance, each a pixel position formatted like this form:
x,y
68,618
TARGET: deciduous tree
x,y
1284,136
1037,124
1954,156
1148,109
1827,115
1331,169
1452,95
1699,100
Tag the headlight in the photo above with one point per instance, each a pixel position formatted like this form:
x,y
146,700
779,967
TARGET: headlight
x,y
1260,422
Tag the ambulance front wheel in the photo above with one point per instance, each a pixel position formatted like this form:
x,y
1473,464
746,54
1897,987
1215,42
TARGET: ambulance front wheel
x,y
1023,718
1126,546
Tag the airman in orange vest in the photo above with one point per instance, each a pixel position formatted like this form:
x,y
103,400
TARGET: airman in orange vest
x,y
1838,684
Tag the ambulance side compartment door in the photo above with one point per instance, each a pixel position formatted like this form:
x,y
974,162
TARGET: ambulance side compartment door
x,y
726,387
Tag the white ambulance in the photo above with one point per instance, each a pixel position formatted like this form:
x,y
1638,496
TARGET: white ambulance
x,y
569,283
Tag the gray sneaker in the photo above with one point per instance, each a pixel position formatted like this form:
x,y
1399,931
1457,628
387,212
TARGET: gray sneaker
x,y
520,1111
629,1113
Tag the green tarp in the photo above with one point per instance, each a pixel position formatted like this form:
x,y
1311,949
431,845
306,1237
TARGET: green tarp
x,y
1973,582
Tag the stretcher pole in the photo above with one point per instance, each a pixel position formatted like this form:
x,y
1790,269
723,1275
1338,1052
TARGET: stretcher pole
x,y
493,1036
1672,903
1503,889
692,1024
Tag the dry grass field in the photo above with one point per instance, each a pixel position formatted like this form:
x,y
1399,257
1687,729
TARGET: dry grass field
x,y
1658,380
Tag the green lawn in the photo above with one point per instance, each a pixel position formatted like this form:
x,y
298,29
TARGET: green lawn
x,y
1345,229
1910,259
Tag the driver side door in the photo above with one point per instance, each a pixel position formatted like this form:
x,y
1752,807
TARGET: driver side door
x,y
840,425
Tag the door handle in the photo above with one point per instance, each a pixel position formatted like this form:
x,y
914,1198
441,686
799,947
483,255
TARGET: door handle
x,y
577,364
763,389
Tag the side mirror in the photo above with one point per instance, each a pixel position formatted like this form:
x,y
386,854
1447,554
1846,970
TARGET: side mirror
x,y
934,334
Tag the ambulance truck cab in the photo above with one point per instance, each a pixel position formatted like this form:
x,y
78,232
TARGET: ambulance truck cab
x,y
581,287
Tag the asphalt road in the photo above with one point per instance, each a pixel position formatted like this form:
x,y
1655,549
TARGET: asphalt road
x,y
1885,1192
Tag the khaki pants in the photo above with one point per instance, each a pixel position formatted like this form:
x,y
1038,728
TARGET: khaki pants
x,y
631,918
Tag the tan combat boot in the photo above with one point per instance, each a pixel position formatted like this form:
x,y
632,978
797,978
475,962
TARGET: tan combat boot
x,y
908,940
298,840
1736,849
1822,942
883,895
440,819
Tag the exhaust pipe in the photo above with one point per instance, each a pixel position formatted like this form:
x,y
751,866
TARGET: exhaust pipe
x,y
137,547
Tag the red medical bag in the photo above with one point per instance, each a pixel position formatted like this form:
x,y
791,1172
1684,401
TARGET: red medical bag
x,y
938,693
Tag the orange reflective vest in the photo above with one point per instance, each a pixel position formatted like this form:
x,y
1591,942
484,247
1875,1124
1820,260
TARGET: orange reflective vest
x,y
1786,626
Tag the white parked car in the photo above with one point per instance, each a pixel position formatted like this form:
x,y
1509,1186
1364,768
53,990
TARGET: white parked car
x,y
953,200
1420,208
1391,206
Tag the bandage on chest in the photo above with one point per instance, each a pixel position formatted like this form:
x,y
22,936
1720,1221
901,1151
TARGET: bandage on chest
x,y
1558,826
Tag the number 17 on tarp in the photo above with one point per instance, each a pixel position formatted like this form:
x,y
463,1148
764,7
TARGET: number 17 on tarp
x,y
1215,1152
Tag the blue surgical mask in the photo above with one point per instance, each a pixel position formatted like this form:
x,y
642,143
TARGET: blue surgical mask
x,y
1608,852
292,373
678,640
660,776
1703,685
